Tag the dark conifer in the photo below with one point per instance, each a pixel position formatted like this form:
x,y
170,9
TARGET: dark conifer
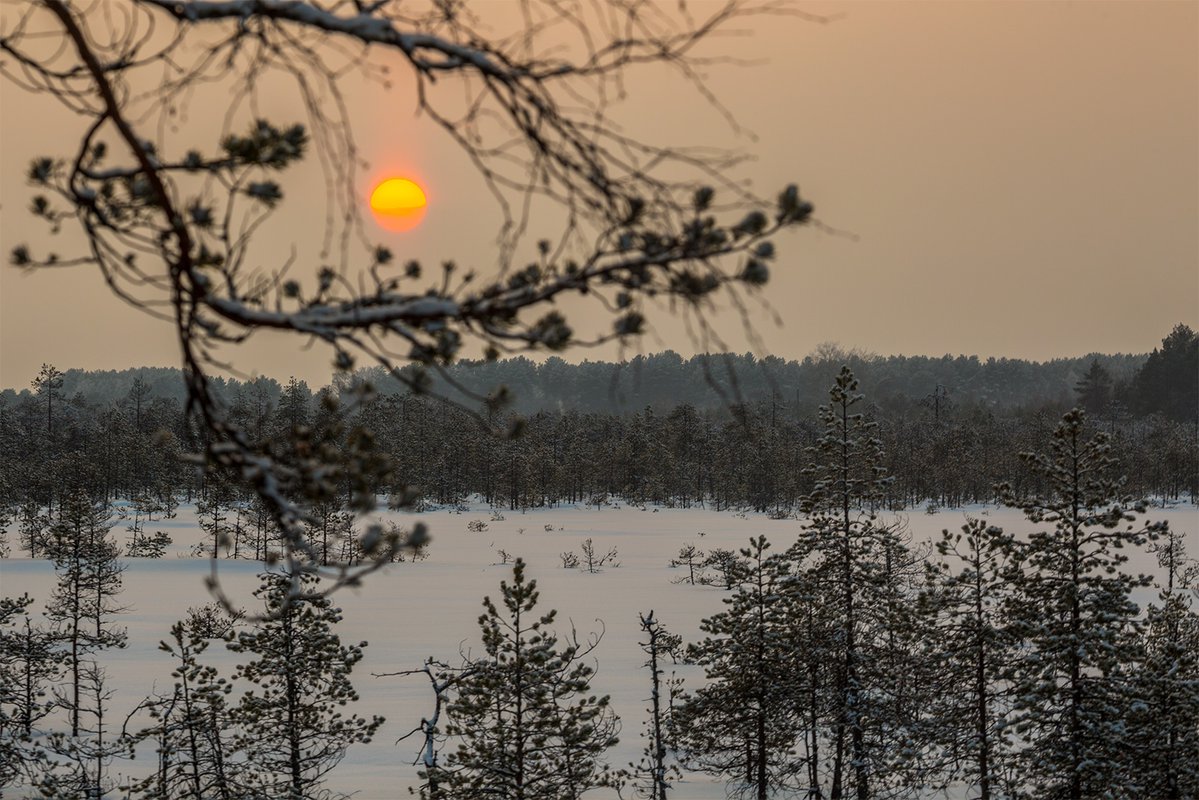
x,y
82,606
1164,717
526,725
743,724
290,721
1071,685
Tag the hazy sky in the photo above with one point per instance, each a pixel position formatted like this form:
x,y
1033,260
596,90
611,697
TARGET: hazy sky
x,y
1019,179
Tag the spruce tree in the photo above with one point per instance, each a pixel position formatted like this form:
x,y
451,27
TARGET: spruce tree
x,y
1094,390
290,722
1168,382
526,725
1074,611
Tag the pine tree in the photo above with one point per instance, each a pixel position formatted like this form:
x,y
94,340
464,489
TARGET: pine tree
x,y
47,386
1164,759
78,765
191,730
526,726
330,531
730,569
651,776
864,566
139,443
692,558
815,629
973,648
290,723
89,577
1074,610
213,516
27,663
32,526
744,723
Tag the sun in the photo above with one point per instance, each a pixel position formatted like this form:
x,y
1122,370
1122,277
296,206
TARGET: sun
x,y
398,204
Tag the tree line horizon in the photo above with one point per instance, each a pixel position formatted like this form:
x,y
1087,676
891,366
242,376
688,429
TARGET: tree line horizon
x,y
666,379
944,447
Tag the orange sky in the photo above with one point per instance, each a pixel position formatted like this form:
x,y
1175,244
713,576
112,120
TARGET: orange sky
x,y
1022,179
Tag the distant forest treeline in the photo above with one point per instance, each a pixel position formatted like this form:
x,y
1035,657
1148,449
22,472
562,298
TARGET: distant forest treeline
x,y
665,380
947,440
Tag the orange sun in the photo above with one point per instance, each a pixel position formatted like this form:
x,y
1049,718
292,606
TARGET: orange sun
x,y
398,204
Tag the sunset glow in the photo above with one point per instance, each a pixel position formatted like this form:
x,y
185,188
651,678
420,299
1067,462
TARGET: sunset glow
x,y
398,204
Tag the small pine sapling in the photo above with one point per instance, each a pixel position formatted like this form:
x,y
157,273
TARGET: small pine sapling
x,y
594,561
692,558
729,567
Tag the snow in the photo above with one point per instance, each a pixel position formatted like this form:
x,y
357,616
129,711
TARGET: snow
x,y
411,611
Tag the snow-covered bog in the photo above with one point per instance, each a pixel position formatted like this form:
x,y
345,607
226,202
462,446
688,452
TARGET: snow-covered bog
x,y
411,611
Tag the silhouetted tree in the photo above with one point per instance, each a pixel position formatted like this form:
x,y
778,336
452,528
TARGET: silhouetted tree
x,y
81,607
525,723
651,777
1094,390
1074,611
1168,383
743,724
290,723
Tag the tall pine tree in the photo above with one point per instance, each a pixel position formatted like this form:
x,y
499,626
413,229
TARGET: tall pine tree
x,y
865,570
1075,613
82,606
744,723
974,646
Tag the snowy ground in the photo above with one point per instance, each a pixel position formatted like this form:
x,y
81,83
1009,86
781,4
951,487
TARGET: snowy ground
x,y
430,608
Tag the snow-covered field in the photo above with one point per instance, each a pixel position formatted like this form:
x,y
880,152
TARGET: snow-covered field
x,y
412,611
